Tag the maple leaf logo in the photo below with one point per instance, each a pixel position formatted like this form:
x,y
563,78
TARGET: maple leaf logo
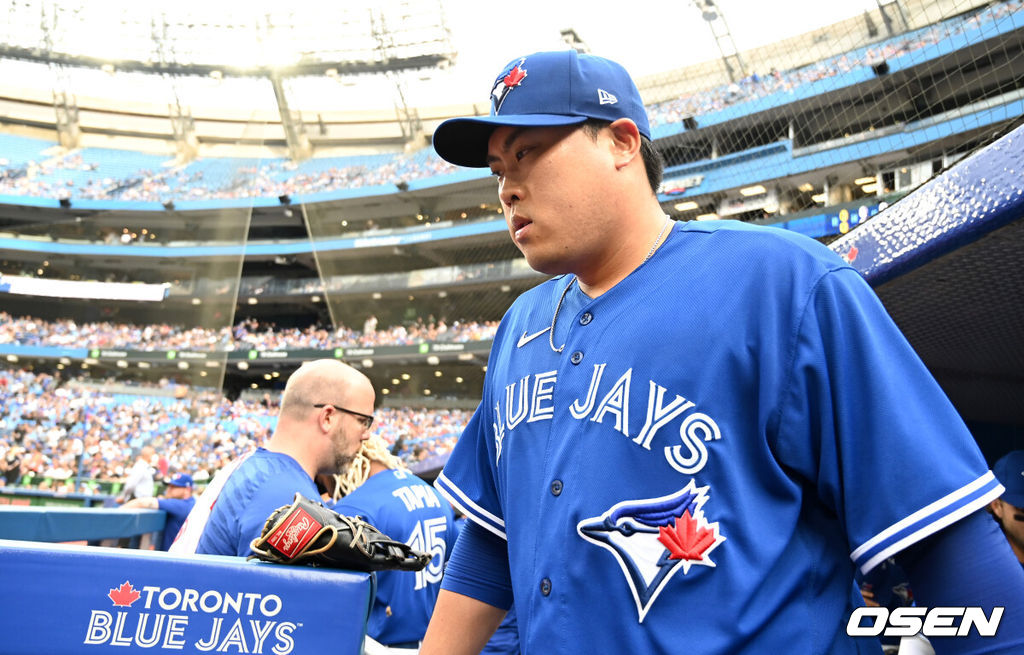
x,y
852,255
505,83
688,540
124,595
515,76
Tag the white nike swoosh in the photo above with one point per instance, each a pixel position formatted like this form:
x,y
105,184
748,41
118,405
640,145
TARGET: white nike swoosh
x,y
527,338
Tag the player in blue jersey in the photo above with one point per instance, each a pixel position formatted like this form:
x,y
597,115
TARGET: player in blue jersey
x,y
326,413
177,502
682,435
378,487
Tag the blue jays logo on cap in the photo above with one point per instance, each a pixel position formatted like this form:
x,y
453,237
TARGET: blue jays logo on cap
x,y
544,89
509,79
654,538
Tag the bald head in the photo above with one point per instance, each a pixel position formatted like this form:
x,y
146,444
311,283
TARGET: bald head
x,y
326,381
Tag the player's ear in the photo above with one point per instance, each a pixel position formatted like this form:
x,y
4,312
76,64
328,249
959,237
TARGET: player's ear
x,y
625,138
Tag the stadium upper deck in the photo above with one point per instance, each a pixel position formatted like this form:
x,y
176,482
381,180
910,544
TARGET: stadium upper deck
x,y
331,240
835,114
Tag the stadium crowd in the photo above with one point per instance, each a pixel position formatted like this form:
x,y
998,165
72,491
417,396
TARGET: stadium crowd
x,y
227,178
248,334
54,432
757,86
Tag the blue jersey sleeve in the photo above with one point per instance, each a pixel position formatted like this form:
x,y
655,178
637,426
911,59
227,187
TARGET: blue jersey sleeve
x,y
178,507
265,482
479,569
468,481
970,564
864,422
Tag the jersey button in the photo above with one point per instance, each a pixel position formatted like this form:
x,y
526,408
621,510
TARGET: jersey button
x,y
545,586
556,487
586,318
576,357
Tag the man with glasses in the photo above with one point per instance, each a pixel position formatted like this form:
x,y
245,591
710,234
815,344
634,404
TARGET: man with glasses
x,y
326,413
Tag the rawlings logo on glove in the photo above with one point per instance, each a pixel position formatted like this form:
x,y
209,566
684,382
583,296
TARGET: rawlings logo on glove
x,y
306,532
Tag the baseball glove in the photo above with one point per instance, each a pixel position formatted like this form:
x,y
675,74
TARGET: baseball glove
x,y
306,532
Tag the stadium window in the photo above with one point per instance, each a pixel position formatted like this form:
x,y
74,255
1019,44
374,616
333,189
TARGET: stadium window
x,y
888,181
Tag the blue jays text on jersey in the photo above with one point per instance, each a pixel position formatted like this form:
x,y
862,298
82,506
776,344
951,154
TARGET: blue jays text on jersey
x,y
696,468
531,398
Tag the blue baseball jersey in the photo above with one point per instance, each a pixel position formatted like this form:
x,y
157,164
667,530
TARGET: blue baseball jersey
x,y
726,434
265,481
407,509
177,511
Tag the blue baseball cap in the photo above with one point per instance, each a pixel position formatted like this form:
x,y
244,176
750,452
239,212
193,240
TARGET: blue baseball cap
x,y
1010,472
545,89
181,480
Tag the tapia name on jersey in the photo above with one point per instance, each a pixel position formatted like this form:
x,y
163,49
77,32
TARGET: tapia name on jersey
x,y
531,397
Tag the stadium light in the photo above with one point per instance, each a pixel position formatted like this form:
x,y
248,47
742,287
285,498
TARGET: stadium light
x,y
806,187
861,181
755,190
819,198
686,206
870,188
708,217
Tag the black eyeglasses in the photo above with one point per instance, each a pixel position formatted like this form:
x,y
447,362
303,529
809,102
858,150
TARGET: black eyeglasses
x,y
365,419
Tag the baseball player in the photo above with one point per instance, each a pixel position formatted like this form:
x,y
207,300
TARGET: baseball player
x,y
378,487
326,412
177,502
673,447
1008,509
